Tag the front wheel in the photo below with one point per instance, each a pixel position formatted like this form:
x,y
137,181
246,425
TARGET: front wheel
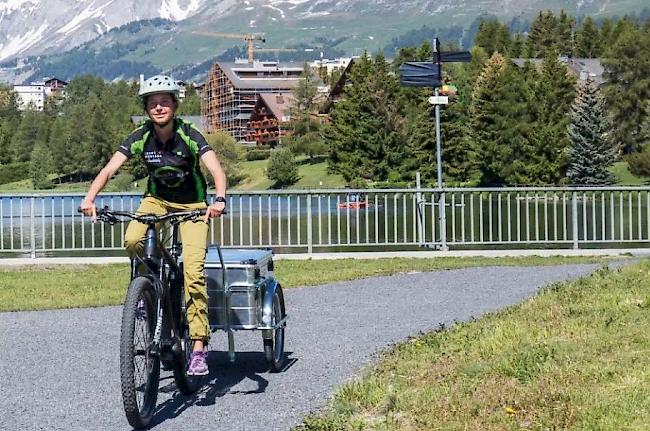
x,y
139,368
274,345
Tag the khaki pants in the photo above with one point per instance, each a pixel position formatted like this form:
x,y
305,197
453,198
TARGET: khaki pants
x,y
194,236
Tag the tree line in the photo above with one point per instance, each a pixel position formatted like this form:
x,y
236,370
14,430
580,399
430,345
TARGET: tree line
x,y
532,124
76,133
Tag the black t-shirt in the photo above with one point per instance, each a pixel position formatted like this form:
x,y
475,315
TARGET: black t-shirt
x,y
173,166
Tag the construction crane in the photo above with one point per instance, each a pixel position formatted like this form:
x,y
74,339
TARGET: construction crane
x,y
249,38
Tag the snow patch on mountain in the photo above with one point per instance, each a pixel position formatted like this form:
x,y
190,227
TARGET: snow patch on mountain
x,y
176,10
81,18
9,6
23,42
270,6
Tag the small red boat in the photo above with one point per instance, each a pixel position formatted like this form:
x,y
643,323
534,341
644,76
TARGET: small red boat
x,y
353,205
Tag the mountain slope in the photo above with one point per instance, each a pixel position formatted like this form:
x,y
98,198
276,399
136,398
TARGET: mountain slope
x,y
107,43
32,27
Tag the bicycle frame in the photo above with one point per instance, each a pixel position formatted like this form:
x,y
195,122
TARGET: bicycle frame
x,y
164,272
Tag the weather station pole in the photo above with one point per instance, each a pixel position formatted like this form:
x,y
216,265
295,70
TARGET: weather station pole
x,y
442,207
429,74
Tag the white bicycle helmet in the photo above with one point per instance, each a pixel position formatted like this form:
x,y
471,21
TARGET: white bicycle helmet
x,y
159,84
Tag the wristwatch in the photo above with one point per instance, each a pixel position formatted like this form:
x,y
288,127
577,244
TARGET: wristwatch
x,y
220,199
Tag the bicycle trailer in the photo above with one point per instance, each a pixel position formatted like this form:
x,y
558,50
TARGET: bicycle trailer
x,y
246,297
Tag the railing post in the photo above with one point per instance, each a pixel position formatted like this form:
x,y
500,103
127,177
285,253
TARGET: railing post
x,y
574,219
420,210
309,227
443,221
32,223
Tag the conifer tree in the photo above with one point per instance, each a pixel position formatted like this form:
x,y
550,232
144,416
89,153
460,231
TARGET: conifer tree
x,y
25,136
366,131
627,85
40,166
60,146
588,44
486,122
543,35
591,152
554,92
565,42
493,37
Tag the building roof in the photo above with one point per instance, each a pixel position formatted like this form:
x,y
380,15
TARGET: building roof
x,y
583,68
262,75
278,104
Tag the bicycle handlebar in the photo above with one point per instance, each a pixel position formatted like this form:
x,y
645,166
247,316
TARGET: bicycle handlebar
x,y
109,216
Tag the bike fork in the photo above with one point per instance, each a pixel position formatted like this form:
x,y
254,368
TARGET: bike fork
x,y
157,335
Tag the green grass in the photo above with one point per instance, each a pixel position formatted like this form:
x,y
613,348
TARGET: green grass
x,y
38,288
575,357
312,176
625,178
255,172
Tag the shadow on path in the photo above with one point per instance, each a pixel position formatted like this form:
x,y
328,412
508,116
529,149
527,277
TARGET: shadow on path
x,y
222,378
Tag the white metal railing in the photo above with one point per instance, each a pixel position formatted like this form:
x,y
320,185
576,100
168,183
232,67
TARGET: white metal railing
x,y
333,220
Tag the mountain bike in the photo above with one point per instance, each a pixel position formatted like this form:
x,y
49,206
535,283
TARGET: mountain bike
x,y
154,320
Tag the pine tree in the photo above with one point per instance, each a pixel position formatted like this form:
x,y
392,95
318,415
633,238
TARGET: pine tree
x,y
59,144
5,140
591,151
40,166
554,92
24,137
366,131
493,37
543,35
588,44
627,85
565,40
486,121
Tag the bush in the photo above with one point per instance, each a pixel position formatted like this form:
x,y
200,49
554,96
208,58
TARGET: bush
x,y
257,154
639,163
229,154
13,172
122,182
283,168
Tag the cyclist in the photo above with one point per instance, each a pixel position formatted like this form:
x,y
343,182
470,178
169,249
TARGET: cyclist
x,y
171,149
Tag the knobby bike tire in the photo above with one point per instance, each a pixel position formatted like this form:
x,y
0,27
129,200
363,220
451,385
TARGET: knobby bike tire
x,y
274,346
186,384
136,364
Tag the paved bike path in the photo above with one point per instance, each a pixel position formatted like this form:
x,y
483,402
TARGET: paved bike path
x,y
59,369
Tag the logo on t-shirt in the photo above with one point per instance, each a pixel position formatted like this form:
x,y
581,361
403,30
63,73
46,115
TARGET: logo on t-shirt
x,y
152,157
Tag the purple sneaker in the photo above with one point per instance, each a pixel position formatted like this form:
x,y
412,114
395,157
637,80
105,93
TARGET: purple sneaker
x,y
198,365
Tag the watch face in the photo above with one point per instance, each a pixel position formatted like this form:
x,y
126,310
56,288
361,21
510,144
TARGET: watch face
x,y
220,199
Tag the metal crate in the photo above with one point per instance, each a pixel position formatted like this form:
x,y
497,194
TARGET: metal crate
x,y
248,271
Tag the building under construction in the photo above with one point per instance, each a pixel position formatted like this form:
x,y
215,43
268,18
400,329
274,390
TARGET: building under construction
x,y
231,93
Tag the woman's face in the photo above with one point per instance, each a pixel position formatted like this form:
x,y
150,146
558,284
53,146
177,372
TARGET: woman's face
x,y
161,108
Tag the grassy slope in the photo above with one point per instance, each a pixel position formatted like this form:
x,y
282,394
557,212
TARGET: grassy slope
x,y
311,176
625,178
573,358
35,288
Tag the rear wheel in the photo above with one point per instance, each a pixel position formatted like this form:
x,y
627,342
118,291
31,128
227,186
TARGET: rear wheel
x,y
139,368
274,345
185,383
